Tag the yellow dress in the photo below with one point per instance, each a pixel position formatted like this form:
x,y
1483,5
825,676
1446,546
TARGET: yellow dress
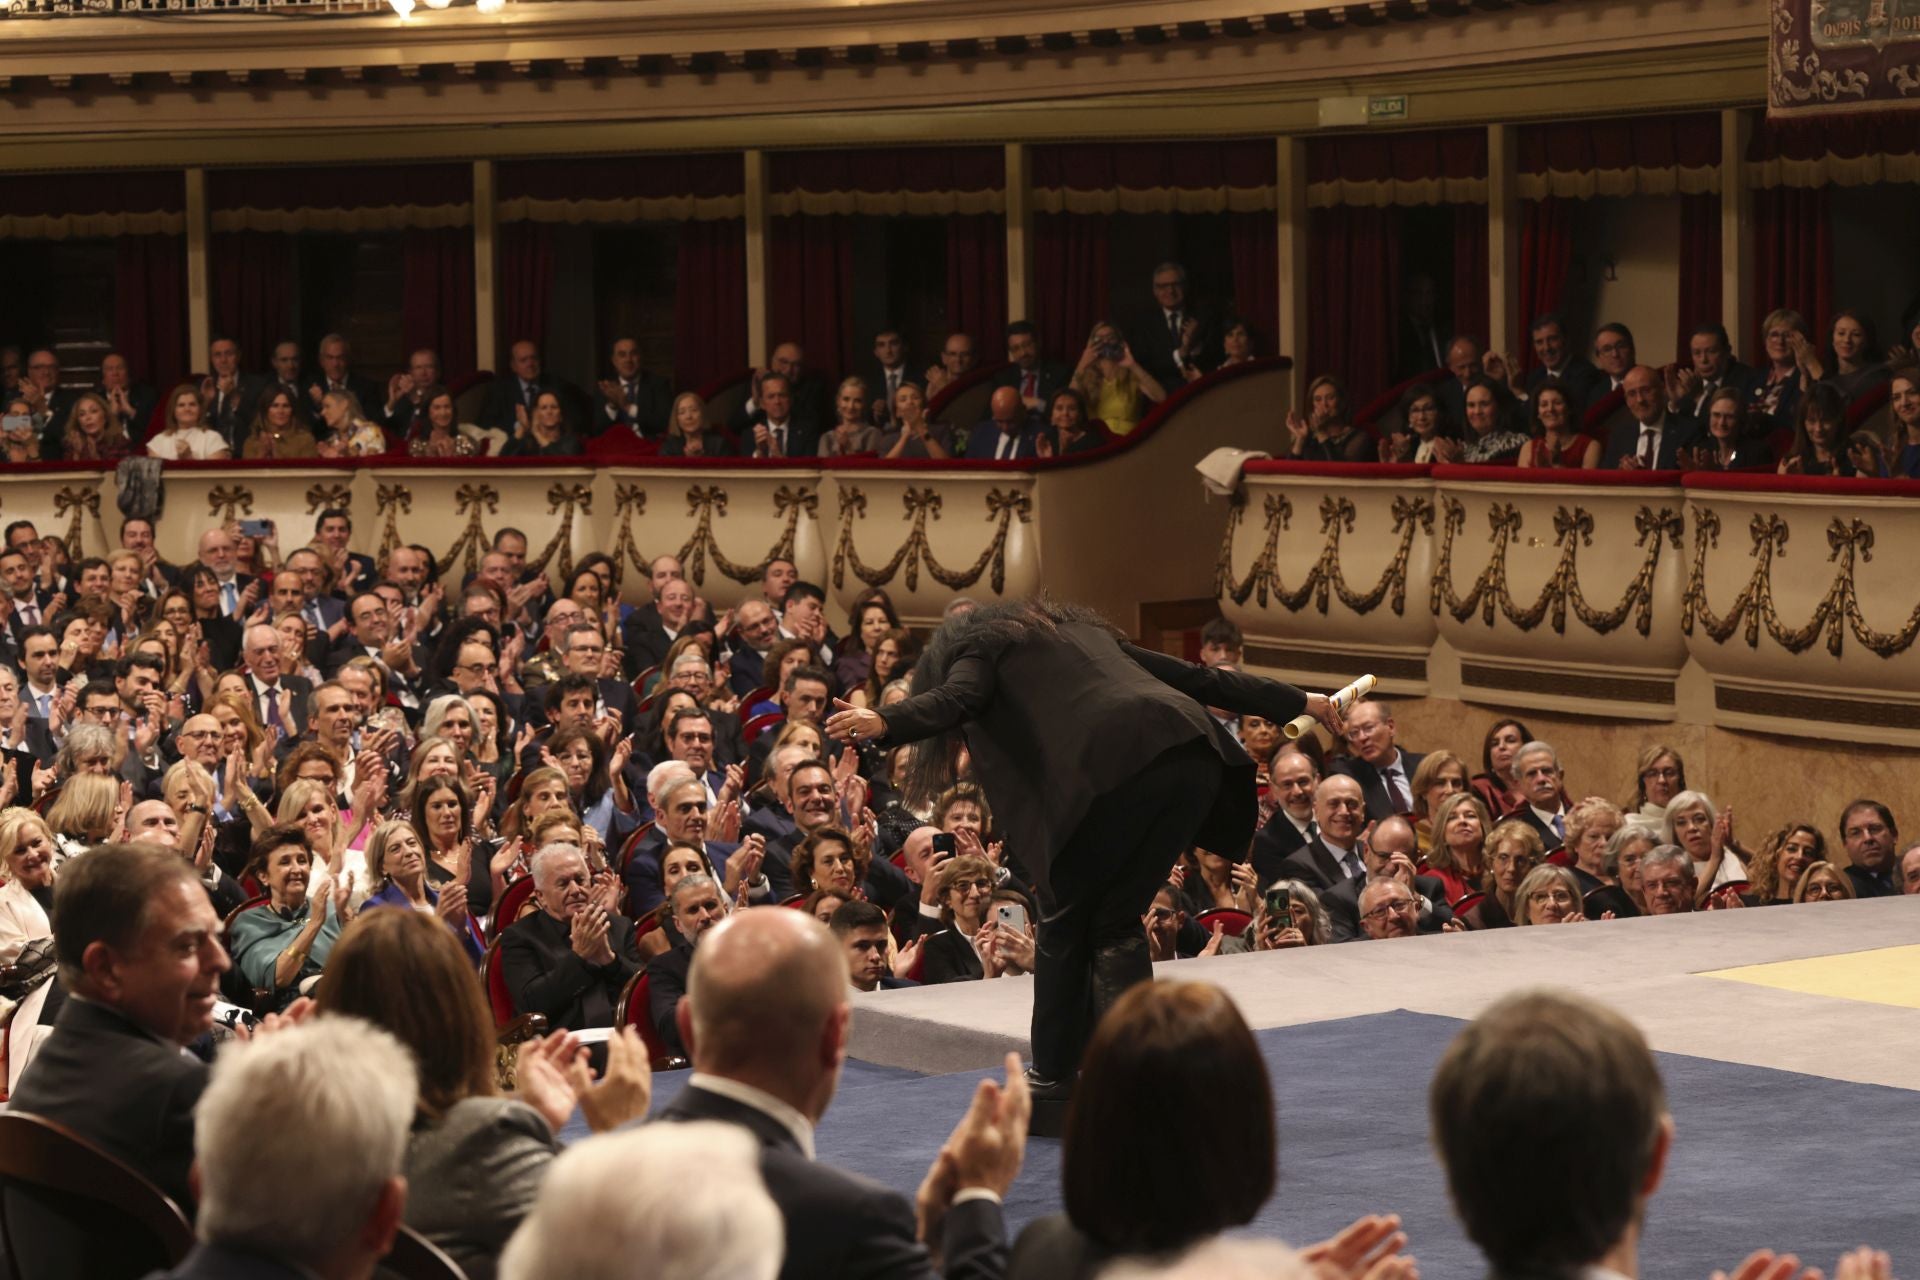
x,y
1117,406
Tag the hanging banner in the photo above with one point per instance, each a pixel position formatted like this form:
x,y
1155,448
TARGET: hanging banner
x,y
1833,56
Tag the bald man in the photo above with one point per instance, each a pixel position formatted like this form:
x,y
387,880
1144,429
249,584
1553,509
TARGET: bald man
x,y
766,1019
1006,433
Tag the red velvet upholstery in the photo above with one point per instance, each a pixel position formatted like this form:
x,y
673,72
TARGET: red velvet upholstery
x,y
1234,921
495,981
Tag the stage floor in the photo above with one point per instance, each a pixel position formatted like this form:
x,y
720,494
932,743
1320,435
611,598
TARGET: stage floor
x,y
1827,989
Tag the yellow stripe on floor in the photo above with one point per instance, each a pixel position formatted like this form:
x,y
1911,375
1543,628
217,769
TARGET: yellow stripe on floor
x,y
1890,975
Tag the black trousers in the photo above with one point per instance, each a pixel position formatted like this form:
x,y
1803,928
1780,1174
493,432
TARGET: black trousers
x,y
1092,946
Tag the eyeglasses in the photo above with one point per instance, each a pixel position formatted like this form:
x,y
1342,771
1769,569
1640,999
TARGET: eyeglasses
x,y
1514,859
1662,775
967,886
1558,897
1385,909
1160,913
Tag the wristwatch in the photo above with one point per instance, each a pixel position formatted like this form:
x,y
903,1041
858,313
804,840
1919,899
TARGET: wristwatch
x,y
193,808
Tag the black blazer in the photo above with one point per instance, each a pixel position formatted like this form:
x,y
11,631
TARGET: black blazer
x,y
121,1088
299,689
1676,433
1272,845
666,984
1315,865
503,396
1372,785
1048,379
647,646
841,1224
1054,725
950,957
545,976
652,403
1582,382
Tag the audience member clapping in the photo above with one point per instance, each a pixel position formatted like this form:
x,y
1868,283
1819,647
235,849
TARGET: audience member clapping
x,y
570,959
1707,835
1549,895
1512,850
282,946
475,1159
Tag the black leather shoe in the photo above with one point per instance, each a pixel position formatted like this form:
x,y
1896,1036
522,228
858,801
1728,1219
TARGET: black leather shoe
x,y
1046,1090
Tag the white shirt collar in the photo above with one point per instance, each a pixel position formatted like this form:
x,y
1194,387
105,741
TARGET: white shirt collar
x,y
1545,815
760,1100
1339,853
1298,825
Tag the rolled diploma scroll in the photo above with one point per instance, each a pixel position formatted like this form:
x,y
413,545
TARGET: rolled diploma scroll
x,y
1344,699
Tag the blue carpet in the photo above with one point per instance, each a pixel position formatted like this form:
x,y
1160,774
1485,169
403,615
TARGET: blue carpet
x,y
1761,1157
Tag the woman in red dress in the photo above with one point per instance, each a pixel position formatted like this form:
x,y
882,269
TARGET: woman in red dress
x,y
1557,441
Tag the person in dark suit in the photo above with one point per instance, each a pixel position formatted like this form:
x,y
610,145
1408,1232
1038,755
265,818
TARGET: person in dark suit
x,y
49,401
1650,438
250,1230
230,394
278,699
1177,332
1392,840
1101,763
889,373
1292,776
775,429
1872,839
1383,770
137,943
646,646
570,959
811,398
1541,779
1006,433
284,374
509,401
1332,855
1421,341
766,1017
1710,367
336,374
408,395
1557,362
696,905
632,400
131,402
861,928
333,529
1036,380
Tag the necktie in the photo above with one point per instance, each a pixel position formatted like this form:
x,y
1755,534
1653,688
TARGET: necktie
x,y
1029,389
1313,829
780,437
1352,866
1006,446
313,616
229,597
1560,825
45,703
1397,790
271,696
1648,451
30,612
1173,327
527,393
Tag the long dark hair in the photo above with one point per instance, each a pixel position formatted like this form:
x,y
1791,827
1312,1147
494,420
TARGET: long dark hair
x,y
992,629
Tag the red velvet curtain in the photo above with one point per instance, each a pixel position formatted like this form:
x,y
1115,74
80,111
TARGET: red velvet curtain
x,y
977,278
812,288
710,303
436,299
1546,248
1700,274
253,291
1793,257
1253,239
150,307
1354,287
1069,280
526,282
1471,312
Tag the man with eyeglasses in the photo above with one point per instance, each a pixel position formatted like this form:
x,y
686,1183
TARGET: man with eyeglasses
x,y
326,614
1391,853
1383,770
370,633
1388,909
755,630
1870,835
1292,776
24,538
49,401
1613,355
582,651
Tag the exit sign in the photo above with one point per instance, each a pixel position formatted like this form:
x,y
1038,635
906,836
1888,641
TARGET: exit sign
x,y
1389,107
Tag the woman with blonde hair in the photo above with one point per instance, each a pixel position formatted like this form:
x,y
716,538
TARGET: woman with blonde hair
x,y
184,435
1549,895
1823,882
1513,850
29,861
93,432
311,807
689,434
1112,382
1439,775
349,433
88,811
398,866
851,433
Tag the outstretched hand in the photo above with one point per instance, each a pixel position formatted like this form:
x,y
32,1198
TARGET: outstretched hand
x,y
849,723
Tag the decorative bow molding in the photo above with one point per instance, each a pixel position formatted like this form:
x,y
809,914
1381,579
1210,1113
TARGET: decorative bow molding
x,y
469,500
922,504
629,504
390,501
79,503
575,497
1326,580
321,497
1571,530
705,502
1849,541
223,502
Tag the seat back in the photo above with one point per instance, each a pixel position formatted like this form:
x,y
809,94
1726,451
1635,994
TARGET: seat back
x,y
636,1010
759,724
67,1208
414,1257
630,844
514,901
494,979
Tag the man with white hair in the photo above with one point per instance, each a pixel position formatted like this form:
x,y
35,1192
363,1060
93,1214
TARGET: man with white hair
x,y
696,906
683,816
686,1197
239,592
279,700
570,959
338,1097
1667,880
1537,768
766,1018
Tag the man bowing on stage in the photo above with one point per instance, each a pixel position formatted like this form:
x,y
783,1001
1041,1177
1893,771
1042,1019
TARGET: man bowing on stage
x,y
1102,764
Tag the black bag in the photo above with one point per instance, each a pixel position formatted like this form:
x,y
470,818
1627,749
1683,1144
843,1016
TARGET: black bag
x,y
141,493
